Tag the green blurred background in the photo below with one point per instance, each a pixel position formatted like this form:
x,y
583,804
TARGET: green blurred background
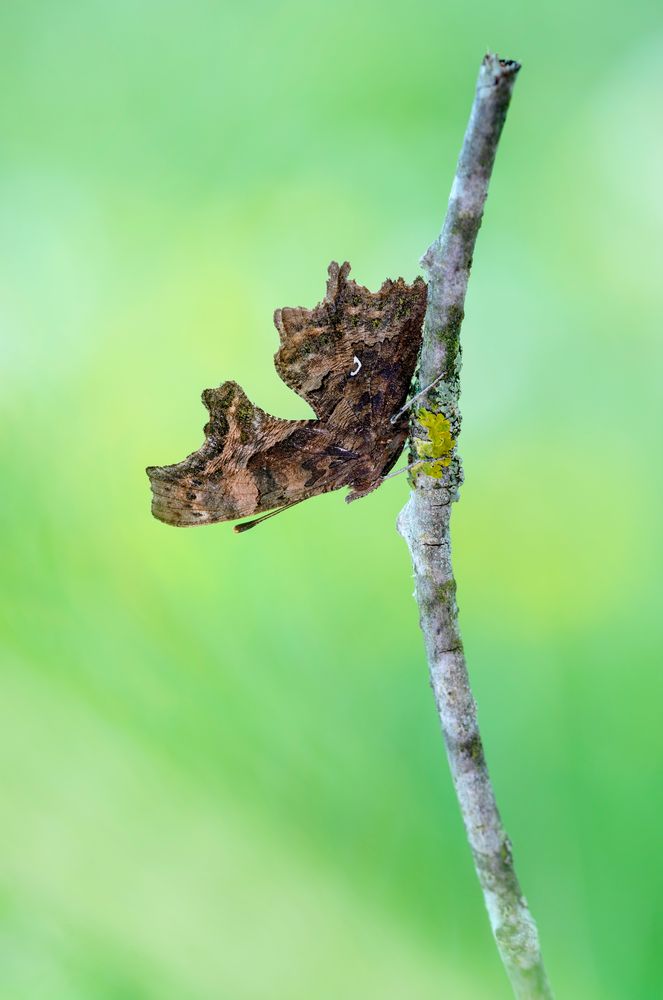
x,y
221,770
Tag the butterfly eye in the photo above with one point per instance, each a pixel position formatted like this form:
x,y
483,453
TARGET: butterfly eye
x,y
355,370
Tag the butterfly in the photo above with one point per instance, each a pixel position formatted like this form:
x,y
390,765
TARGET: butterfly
x,y
352,359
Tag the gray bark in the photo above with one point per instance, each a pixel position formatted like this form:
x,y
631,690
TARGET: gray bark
x,y
424,523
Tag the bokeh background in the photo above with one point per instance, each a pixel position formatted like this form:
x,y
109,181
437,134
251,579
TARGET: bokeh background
x,y
221,771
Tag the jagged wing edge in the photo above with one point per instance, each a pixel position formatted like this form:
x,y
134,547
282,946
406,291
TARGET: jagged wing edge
x,y
336,281
166,480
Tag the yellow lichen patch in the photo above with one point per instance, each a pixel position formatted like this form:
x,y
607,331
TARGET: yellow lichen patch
x,y
440,444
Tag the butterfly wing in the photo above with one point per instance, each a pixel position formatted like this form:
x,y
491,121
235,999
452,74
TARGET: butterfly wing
x,y
352,357
250,462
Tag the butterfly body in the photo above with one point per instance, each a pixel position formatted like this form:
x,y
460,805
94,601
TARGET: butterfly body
x,y
351,358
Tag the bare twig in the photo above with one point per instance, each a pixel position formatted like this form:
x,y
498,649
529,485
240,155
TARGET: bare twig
x,y
424,523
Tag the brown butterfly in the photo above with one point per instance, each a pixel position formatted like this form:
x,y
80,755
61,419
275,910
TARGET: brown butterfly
x,y
352,359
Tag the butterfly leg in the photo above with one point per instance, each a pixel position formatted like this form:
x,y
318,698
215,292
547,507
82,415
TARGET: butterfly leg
x,y
362,490
396,417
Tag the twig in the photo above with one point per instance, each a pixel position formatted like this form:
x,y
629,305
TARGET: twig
x,y
424,523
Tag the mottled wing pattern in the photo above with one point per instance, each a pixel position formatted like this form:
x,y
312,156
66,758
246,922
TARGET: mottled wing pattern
x,y
250,462
351,358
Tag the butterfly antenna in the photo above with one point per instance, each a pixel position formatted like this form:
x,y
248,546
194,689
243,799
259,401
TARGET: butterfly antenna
x,y
414,398
239,528
406,468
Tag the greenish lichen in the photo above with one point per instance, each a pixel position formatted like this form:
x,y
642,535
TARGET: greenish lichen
x,y
466,226
439,446
474,748
449,336
446,592
505,852
450,332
